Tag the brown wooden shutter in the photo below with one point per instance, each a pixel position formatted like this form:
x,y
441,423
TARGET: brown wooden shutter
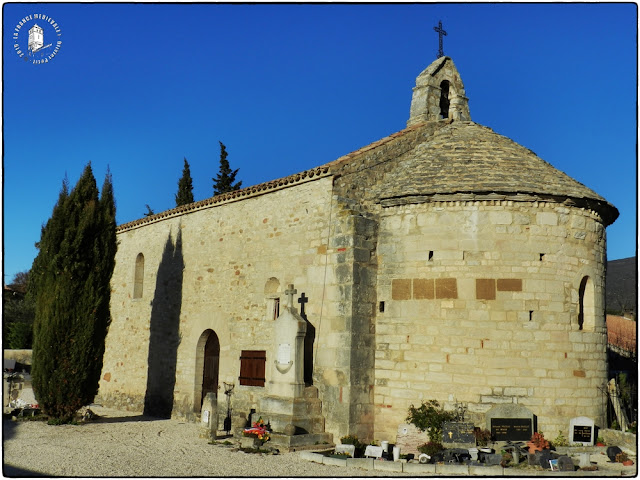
x,y
252,367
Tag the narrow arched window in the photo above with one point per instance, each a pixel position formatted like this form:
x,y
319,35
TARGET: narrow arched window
x,y
138,280
444,99
586,305
273,299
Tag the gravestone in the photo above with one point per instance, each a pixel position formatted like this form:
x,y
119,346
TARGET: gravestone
x,y
581,431
565,464
493,459
458,434
544,457
350,449
511,423
373,451
408,438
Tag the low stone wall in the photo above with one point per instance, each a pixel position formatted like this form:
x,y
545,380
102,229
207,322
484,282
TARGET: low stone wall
x,y
22,358
624,440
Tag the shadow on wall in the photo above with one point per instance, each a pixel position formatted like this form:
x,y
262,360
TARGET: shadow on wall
x,y
164,331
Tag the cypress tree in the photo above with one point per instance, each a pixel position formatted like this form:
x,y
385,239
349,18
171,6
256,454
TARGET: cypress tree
x,y
223,182
185,186
71,286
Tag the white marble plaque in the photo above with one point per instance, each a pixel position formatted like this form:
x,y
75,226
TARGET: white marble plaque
x,y
373,451
581,431
284,354
205,416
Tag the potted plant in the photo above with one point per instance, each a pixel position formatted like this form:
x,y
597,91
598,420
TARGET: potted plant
x,y
358,446
537,442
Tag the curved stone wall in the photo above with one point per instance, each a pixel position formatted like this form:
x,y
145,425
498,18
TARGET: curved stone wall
x,y
490,302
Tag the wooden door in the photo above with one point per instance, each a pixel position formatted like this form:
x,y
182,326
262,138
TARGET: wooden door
x,y
211,366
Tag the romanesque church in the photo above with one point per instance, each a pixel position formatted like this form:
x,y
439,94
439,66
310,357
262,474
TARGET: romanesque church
x,y
444,262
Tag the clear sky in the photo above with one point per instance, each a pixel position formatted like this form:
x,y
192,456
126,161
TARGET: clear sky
x,y
138,87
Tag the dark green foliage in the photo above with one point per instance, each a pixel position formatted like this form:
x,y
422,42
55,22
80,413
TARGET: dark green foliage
x,y
149,212
430,448
224,181
18,314
185,186
429,417
70,282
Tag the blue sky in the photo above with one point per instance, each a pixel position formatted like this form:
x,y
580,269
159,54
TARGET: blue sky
x,y
138,87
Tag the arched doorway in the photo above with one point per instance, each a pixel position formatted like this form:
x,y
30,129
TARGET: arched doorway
x,y
207,366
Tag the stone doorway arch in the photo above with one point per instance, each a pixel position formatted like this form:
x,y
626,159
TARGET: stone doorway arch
x,y
207,366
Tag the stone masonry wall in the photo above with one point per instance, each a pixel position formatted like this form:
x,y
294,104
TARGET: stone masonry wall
x,y
482,305
234,257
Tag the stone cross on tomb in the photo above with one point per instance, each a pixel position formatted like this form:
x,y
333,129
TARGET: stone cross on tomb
x,y
302,300
290,291
440,32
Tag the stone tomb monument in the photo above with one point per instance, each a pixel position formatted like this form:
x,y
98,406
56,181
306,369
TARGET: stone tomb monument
x,y
511,422
581,431
293,410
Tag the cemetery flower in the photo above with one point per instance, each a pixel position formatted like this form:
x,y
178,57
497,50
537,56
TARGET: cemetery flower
x,y
258,430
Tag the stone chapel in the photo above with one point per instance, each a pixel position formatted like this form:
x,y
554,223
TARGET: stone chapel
x,y
444,262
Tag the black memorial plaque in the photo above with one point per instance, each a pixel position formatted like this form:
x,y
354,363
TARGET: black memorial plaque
x,y
457,432
513,429
582,433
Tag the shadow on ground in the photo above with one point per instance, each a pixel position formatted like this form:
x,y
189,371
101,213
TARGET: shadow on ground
x,y
133,418
11,471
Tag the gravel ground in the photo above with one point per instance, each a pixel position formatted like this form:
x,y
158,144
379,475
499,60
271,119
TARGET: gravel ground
x,y
122,444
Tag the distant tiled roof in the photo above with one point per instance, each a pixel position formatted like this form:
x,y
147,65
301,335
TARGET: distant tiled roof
x,y
621,333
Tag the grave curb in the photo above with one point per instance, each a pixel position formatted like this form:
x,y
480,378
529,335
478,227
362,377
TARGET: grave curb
x,y
364,463
452,469
419,468
338,462
311,457
490,471
388,466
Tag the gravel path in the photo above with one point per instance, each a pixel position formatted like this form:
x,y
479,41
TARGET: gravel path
x,y
120,444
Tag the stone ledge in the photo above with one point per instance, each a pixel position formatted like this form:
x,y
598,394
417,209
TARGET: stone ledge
x,y
338,462
489,471
422,468
312,457
365,463
387,466
452,469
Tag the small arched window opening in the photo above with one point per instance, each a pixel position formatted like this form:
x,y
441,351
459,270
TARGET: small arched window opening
x,y
586,305
444,99
273,298
138,277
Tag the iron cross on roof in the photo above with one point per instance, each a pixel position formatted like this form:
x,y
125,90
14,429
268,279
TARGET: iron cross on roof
x,y
441,32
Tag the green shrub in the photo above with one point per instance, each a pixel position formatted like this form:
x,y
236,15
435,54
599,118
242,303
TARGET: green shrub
x,y
429,417
430,448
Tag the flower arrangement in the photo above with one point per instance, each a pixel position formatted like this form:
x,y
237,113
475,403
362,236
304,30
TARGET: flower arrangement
x,y
258,430
537,442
